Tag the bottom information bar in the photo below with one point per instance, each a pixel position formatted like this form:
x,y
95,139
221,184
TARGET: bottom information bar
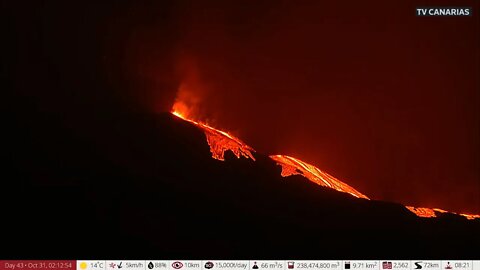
x,y
241,264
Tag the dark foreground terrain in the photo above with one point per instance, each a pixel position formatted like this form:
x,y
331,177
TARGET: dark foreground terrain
x,y
137,186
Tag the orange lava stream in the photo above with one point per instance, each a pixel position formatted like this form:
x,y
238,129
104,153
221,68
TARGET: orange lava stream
x,y
432,212
292,166
470,216
220,142
422,211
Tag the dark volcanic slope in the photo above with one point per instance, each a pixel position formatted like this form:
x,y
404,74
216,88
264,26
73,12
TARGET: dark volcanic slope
x,y
126,186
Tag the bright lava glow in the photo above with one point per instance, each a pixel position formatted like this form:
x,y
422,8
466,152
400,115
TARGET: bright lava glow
x,y
292,166
220,141
432,212
422,211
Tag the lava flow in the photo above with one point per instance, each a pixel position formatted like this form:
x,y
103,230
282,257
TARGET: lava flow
x,y
292,166
422,211
220,142
432,212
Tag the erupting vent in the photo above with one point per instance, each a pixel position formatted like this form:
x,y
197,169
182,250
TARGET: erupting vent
x,y
220,141
292,166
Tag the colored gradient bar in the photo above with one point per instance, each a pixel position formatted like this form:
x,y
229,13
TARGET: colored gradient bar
x,y
240,264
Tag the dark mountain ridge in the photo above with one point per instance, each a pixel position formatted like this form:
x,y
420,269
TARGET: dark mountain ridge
x,y
145,186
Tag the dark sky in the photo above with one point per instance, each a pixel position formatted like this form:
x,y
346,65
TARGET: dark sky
x,y
372,94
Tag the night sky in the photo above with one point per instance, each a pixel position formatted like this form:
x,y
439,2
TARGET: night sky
x,y
385,101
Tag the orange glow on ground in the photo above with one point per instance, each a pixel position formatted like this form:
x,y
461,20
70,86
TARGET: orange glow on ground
x,y
292,166
221,141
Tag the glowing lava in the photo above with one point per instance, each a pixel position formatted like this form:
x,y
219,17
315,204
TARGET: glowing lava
x,y
470,216
220,141
422,211
292,166
432,212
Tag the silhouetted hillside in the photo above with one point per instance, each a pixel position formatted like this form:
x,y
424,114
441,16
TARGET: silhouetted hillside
x,y
145,186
